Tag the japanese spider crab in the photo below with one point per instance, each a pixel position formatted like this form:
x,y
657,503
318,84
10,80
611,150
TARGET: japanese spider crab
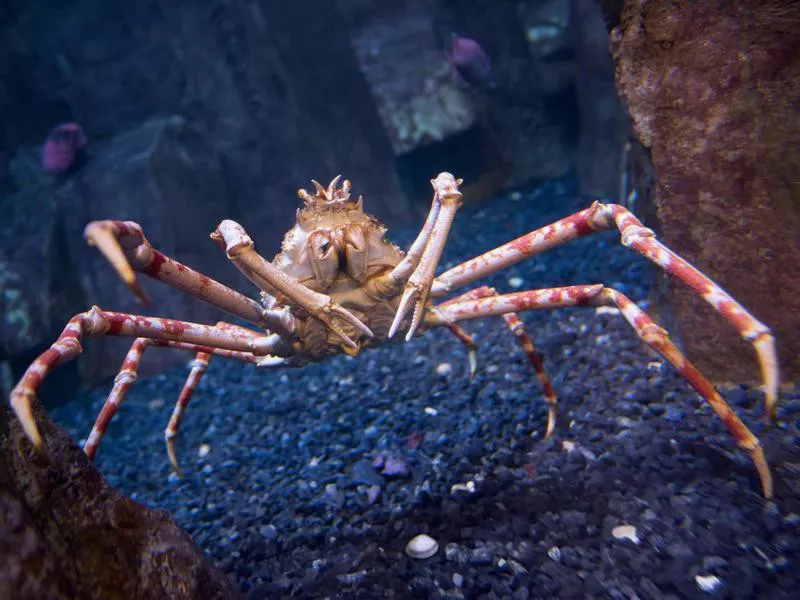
x,y
338,285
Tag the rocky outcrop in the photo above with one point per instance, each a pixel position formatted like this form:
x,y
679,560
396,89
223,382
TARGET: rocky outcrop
x,y
404,64
712,89
161,175
65,533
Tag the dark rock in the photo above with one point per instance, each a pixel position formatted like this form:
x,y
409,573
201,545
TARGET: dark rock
x,y
162,175
65,533
720,198
604,122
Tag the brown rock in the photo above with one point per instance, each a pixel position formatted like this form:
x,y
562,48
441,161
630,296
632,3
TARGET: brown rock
x,y
65,533
713,89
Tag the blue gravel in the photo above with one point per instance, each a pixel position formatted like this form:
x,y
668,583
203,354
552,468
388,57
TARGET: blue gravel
x,y
290,497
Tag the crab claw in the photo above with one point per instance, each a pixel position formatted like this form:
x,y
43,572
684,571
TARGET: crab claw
x,y
101,235
326,316
412,292
418,287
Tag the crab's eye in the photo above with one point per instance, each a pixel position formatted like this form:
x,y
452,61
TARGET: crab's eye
x,y
321,243
323,257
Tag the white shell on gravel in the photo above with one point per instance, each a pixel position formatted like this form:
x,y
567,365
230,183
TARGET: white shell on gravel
x,y
422,546
708,583
444,369
625,532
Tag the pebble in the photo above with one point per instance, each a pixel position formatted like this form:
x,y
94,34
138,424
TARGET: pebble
x,y
395,467
468,487
444,369
422,546
203,450
625,532
516,282
708,583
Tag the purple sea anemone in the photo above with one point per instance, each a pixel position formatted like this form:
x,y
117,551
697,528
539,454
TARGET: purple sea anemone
x,y
63,149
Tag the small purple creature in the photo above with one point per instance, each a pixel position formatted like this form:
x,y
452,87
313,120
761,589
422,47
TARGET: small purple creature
x,y
470,63
64,149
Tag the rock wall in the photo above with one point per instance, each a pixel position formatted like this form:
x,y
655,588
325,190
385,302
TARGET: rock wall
x,y
65,533
713,89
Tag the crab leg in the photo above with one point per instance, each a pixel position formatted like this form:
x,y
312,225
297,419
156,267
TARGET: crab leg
x,y
124,245
602,217
129,372
388,285
472,348
239,248
650,333
96,322
198,367
517,327
417,288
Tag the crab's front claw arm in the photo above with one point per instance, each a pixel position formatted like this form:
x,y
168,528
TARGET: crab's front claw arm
x,y
240,250
418,287
106,236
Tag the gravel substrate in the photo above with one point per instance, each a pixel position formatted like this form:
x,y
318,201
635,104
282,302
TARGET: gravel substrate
x,y
282,486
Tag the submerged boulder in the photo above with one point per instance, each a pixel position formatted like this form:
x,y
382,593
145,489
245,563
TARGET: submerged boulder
x,y
713,95
66,533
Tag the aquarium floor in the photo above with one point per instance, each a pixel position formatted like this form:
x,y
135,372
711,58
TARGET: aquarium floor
x,y
280,487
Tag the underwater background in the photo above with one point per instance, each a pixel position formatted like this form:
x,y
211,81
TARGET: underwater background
x,y
316,482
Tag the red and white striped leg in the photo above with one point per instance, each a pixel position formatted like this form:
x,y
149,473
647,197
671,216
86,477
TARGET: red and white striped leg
x,y
124,245
603,217
472,348
122,383
524,341
96,322
129,372
198,367
653,335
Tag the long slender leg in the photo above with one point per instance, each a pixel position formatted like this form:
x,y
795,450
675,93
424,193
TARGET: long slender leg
x,y
122,383
130,369
417,288
653,335
124,245
389,284
472,348
240,250
96,322
198,367
524,341
602,217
